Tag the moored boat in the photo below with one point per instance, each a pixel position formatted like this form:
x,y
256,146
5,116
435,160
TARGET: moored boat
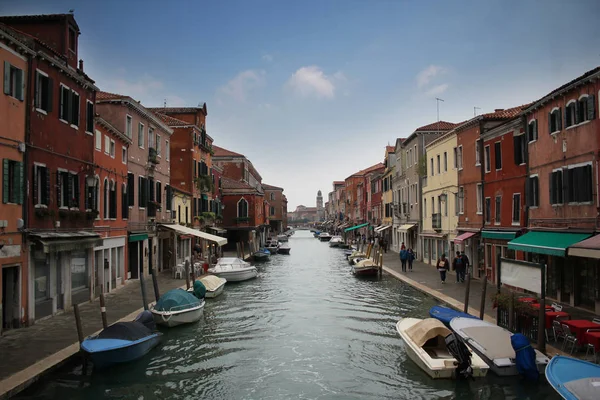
x,y
324,237
445,314
178,307
233,269
282,238
574,379
336,241
493,344
262,254
437,351
272,246
122,342
284,249
214,285
366,267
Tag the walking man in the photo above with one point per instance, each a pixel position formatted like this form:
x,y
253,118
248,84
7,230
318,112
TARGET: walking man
x,y
442,267
466,263
403,259
411,258
459,267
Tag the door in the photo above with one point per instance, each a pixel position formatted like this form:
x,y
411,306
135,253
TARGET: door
x,y
10,298
493,271
97,266
60,296
133,258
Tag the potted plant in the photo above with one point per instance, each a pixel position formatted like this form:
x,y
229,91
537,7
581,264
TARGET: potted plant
x,y
91,214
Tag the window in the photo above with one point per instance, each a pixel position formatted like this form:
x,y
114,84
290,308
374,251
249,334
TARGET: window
x,y
158,145
498,210
554,122
72,40
67,190
272,210
168,197
479,198
106,144
141,135
124,202
431,168
113,200
151,144
425,206
532,130
242,208
446,206
407,158
12,181
498,155
124,155
487,160
516,210
461,200
586,108
488,210
41,186
130,189
478,152
142,192
520,149
69,105
459,158
89,119
112,148
578,181
415,156
74,107
445,161
43,92
556,187
159,192
455,158
98,140
438,164
271,196
106,198
128,126
14,84
432,205
532,196
571,114
167,149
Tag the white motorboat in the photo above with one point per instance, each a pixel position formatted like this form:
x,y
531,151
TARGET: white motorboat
x,y
214,285
284,249
336,241
325,237
282,238
435,349
177,307
365,267
233,269
272,246
493,344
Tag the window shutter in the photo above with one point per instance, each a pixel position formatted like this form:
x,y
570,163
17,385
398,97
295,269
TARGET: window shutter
x,y
19,179
35,185
130,189
70,190
551,188
549,123
516,149
58,189
49,94
528,191
6,77
159,192
20,85
46,187
588,183
5,180
75,190
140,191
591,107
566,178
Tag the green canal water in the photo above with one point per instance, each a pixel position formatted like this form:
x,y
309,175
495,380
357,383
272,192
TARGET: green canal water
x,y
306,328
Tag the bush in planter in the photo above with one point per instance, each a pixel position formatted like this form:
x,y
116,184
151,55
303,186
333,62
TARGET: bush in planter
x,y
92,214
63,214
43,213
502,301
209,216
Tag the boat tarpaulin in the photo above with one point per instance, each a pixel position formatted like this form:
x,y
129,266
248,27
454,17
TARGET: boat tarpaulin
x,y
550,243
525,357
125,331
177,300
221,241
589,248
355,227
427,329
464,236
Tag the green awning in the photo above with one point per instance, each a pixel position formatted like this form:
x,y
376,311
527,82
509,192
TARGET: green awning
x,y
138,237
204,196
502,235
355,227
551,243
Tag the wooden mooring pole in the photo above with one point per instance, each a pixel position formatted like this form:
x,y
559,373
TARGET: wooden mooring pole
x,y
143,285
483,294
80,336
187,274
103,307
155,284
380,264
467,290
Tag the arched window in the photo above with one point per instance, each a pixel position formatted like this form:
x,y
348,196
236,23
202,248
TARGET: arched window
x,y
555,120
113,200
242,211
571,114
586,108
272,196
105,199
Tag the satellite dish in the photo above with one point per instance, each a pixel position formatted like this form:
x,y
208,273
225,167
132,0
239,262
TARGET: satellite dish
x,y
20,223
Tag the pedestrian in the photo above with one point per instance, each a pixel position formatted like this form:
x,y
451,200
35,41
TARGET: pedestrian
x,y
385,245
403,259
459,267
466,263
411,258
442,266
402,246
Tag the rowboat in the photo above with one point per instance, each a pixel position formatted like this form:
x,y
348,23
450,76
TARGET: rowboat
x,y
177,307
574,379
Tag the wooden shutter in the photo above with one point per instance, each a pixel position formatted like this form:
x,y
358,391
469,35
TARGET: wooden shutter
x,y
528,192
58,190
35,185
159,192
549,123
559,119
76,191
588,183
46,186
70,189
551,188
5,180
140,191
6,77
151,189
591,107
566,197
130,189
19,179
49,94
20,85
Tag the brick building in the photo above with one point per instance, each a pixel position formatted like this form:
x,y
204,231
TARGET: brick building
x,y
274,196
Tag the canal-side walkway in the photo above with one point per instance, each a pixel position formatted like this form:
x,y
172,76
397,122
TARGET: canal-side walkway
x,y
27,353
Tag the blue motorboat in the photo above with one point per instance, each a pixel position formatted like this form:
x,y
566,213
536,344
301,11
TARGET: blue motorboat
x,y
574,379
445,314
122,342
262,254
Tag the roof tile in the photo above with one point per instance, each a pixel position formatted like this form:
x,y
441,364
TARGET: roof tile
x,y
221,152
437,127
170,121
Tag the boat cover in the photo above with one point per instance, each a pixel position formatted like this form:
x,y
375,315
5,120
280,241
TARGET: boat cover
x,y
427,329
125,331
446,314
212,282
366,263
176,300
199,290
525,357
494,339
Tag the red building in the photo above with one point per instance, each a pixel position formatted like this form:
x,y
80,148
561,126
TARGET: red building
x,y
474,162
504,211
59,161
564,144
274,196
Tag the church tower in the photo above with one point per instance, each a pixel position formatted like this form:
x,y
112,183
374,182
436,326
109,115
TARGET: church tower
x,y
320,210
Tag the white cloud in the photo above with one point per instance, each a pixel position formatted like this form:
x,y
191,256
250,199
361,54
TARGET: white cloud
x,y
437,90
267,57
311,80
240,86
428,74
146,89
340,76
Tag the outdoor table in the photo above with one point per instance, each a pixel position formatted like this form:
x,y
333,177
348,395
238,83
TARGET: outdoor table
x,y
552,315
579,328
593,338
537,306
527,299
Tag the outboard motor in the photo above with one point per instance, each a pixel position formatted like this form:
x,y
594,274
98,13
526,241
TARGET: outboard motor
x,y
145,318
459,350
525,357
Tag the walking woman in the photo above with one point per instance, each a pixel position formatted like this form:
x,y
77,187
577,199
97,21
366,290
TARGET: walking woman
x,y
442,267
411,258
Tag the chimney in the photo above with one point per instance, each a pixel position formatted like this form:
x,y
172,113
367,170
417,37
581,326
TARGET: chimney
x,y
499,109
81,65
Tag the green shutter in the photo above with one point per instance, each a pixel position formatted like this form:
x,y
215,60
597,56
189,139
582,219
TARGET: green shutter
x,y
5,180
18,190
549,123
6,77
20,85
591,107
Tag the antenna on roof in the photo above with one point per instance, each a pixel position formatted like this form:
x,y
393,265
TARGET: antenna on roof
x,y
165,104
71,11
475,110
437,99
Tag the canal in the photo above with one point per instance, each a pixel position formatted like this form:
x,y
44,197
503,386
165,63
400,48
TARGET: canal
x,y
304,329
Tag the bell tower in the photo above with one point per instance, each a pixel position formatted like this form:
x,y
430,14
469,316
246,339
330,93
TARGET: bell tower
x,y
320,211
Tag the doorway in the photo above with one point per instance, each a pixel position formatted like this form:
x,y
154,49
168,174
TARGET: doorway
x,y
134,269
10,298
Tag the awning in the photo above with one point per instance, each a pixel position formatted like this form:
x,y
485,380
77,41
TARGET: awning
x,y
382,228
55,246
433,235
589,248
345,224
502,235
464,236
204,196
551,243
221,241
138,237
406,227
355,227
217,229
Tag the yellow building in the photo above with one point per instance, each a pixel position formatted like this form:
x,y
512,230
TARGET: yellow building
x,y
441,202
387,199
182,214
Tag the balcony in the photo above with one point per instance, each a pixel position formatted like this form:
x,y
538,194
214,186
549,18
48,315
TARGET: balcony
x,y
436,221
152,156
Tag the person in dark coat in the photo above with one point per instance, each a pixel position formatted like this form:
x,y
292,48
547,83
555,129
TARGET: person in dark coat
x,y
442,266
411,258
466,262
459,266
403,259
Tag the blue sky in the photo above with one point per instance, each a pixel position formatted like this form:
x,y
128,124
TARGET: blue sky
x,y
312,91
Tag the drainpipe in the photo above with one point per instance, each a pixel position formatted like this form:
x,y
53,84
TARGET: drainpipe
x,y
482,169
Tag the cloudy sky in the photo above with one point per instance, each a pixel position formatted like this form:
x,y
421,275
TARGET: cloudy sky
x,y
312,91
